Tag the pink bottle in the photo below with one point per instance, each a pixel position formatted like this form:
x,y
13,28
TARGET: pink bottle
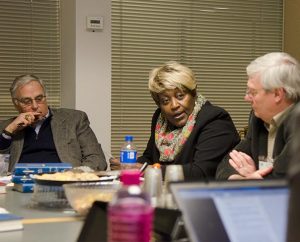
x,y
130,214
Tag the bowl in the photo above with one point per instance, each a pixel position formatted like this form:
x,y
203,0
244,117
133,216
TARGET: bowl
x,y
81,196
48,189
49,196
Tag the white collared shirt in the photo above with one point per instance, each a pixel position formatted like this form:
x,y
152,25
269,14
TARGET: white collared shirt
x,y
39,124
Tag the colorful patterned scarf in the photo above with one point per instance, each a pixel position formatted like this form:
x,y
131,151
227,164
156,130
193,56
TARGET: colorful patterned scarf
x,y
170,143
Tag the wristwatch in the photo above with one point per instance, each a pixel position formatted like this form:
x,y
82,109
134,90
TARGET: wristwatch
x,y
7,133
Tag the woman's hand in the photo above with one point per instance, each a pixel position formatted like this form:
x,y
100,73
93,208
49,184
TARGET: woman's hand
x,y
115,164
245,166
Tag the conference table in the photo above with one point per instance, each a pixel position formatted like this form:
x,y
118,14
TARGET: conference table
x,y
40,225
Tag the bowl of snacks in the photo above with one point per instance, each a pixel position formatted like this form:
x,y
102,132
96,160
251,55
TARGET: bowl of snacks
x,y
60,178
49,192
82,195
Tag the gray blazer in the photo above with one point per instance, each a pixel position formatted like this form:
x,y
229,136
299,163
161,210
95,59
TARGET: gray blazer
x,y
74,140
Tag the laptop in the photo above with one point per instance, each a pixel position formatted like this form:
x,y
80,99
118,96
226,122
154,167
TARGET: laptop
x,y
233,211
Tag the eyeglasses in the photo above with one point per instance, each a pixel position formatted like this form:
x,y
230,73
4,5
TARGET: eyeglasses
x,y
252,92
27,101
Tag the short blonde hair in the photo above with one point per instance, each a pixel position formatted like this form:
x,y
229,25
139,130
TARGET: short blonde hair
x,y
171,75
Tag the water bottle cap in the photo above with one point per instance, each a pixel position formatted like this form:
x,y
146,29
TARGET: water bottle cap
x,y
128,138
130,177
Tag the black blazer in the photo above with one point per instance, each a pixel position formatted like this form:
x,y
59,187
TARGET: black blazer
x,y
256,143
214,134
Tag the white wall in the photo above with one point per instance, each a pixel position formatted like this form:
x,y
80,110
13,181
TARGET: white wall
x,y
86,64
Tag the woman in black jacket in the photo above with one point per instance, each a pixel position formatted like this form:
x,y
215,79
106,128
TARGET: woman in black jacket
x,y
186,128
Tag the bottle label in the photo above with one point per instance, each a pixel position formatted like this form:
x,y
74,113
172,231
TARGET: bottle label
x,y
130,222
128,156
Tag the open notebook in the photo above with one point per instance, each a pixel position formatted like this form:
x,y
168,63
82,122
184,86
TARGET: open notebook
x,y
233,211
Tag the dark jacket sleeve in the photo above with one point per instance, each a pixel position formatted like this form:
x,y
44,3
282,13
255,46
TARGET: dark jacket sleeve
x,y
5,143
224,169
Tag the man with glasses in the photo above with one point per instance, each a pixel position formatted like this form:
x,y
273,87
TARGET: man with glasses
x,y
43,134
273,89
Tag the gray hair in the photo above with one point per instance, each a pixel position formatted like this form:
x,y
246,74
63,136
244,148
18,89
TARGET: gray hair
x,y
277,70
23,80
169,76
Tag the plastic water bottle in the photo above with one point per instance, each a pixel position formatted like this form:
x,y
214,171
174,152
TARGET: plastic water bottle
x,y
130,214
128,154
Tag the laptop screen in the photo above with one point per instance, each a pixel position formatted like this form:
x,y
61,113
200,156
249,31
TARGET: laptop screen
x,y
234,210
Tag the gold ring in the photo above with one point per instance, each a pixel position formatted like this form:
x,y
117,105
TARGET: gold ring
x,y
27,116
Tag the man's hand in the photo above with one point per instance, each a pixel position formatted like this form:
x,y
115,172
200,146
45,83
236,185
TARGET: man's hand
x,y
242,163
245,166
22,121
